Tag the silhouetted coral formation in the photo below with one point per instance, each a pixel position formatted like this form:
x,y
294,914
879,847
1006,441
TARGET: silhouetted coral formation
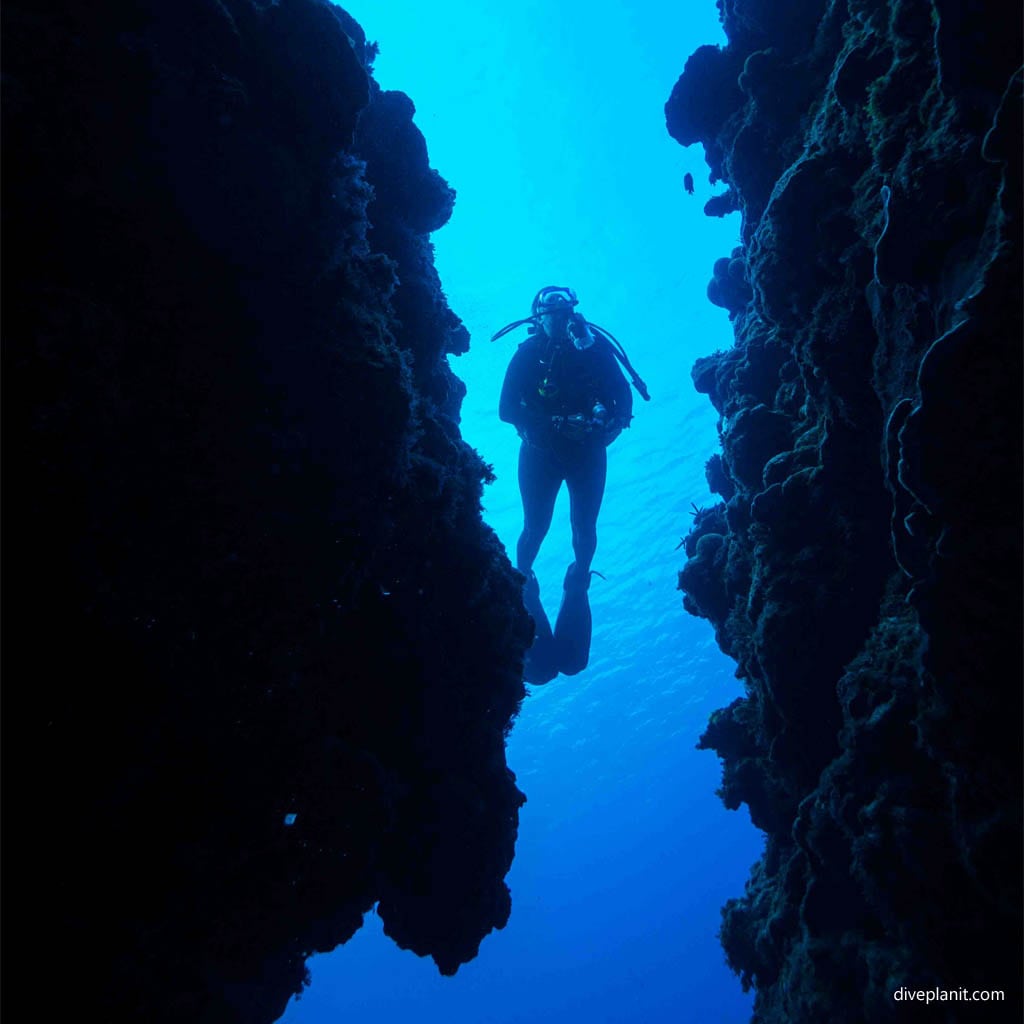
x,y
273,650
864,566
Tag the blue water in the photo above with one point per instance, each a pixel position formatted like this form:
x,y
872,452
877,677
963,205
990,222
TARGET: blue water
x,y
548,121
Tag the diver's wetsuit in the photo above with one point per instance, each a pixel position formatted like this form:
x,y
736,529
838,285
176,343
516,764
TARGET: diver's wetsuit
x,y
545,380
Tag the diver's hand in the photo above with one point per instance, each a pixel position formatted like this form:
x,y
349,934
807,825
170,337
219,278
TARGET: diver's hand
x,y
577,324
579,332
607,432
535,428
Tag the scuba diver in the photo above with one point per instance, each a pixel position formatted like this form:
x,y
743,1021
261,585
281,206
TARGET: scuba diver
x,y
568,400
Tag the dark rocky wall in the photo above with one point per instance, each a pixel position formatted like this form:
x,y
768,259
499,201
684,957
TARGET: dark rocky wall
x,y
246,571
863,567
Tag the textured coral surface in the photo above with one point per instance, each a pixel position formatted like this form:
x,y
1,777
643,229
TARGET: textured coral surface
x,y
269,648
863,567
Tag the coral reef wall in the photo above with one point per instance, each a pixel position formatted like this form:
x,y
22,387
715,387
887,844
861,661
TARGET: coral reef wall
x,y
863,566
270,651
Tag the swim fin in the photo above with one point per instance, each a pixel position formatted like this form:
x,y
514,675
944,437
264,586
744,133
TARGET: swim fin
x,y
573,626
539,664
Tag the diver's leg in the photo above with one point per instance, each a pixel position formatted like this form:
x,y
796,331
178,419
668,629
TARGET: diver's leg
x,y
540,477
573,627
586,481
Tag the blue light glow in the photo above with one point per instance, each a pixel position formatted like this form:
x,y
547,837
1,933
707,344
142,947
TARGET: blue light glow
x,y
548,121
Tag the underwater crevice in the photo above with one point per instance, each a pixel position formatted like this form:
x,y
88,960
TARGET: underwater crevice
x,y
271,651
864,566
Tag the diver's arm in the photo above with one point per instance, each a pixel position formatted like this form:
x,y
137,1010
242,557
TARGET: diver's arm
x,y
529,423
510,405
623,397
620,399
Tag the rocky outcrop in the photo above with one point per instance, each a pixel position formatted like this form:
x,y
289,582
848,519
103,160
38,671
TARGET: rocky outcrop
x,y
863,567
270,649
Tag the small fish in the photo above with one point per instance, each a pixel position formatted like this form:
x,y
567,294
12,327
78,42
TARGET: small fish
x,y
688,182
